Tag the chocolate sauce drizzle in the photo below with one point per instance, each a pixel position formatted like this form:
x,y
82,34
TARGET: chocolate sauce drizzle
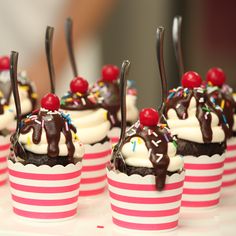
x,y
223,98
54,123
156,139
179,100
77,101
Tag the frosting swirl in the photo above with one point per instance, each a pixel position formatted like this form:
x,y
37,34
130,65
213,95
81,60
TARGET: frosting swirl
x,y
192,116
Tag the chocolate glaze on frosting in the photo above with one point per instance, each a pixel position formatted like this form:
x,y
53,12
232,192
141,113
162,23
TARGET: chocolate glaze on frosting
x,y
156,139
223,97
77,101
54,123
179,100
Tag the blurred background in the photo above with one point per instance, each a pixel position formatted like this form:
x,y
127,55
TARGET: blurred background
x,y
108,31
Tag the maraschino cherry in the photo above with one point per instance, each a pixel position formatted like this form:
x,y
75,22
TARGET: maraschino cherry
x,y
50,102
191,80
79,85
4,63
148,117
110,73
216,76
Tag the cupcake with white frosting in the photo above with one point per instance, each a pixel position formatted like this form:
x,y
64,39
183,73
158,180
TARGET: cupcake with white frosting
x,y
93,124
202,130
108,88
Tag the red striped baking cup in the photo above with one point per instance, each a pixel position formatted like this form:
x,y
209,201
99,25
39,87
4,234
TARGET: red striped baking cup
x,y
4,153
44,193
114,135
229,174
137,205
203,180
93,178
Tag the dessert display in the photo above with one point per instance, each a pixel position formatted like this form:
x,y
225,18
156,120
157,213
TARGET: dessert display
x,y
108,88
201,129
145,176
45,161
221,94
92,123
27,92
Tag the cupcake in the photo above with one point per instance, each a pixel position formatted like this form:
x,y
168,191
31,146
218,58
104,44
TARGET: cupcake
x,y
201,129
108,88
6,116
146,176
27,92
46,158
92,123
221,94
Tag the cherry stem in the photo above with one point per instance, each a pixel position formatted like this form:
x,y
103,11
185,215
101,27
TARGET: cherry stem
x,y
14,84
48,47
69,43
161,65
176,35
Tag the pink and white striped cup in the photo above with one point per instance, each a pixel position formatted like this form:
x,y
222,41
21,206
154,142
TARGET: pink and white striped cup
x,y
114,135
203,180
229,174
44,193
93,178
4,153
137,205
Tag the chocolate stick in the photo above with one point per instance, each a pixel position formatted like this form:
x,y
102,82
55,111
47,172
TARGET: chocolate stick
x,y
118,158
176,35
18,148
69,44
161,65
48,48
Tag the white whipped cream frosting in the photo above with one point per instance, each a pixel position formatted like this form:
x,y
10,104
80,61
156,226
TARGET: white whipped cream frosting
x,y
139,157
92,125
6,118
42,146
189,128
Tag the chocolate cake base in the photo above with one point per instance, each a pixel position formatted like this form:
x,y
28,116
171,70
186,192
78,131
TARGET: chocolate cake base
x,y
43,159
197,149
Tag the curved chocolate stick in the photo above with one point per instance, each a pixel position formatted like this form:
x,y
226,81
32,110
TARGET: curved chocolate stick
x,y
69,44
18,148
48,48
117,157
176,35
160,59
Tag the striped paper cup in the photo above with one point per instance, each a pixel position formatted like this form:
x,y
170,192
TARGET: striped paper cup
x,y
4,153
137,205
114,135
93,178
229,174
44,193
203,180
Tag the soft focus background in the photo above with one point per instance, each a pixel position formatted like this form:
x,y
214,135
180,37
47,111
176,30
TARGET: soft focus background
x,y
108,31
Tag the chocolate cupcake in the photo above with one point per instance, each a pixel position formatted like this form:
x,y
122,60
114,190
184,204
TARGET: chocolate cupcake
x,y
27,90
201,129
92,123
146,176
221,94
108,88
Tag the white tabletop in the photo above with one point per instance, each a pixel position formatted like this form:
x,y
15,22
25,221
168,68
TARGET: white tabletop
x,y
94,219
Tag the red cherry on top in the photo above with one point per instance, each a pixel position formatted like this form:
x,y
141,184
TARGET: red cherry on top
x,y
148,117
50,102
4,63
191,80
110,73
216,76
80,85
